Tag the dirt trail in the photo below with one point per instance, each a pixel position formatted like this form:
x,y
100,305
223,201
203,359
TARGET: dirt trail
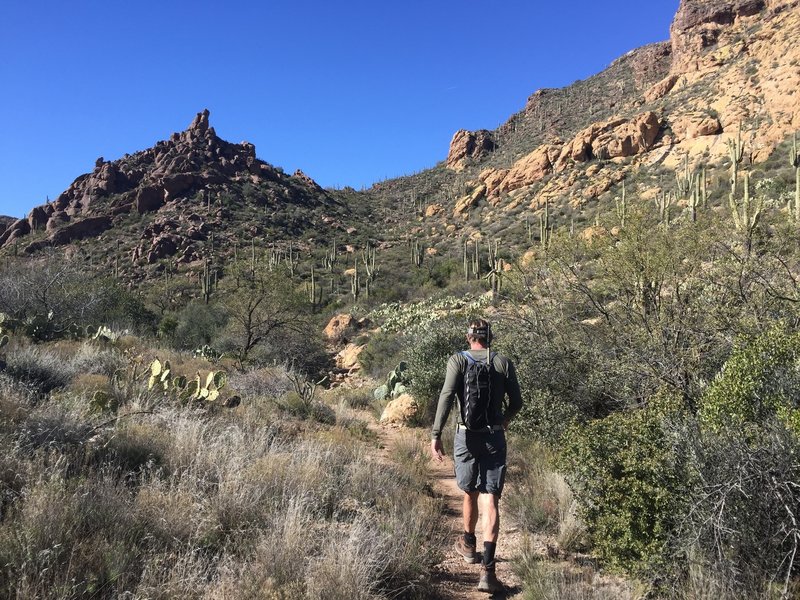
x,y
453,577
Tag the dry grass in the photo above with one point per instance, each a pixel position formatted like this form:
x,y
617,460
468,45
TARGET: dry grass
x,y
541,501
196,503
542,581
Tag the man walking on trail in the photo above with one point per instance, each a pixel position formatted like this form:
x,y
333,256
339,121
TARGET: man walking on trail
x,y
481,380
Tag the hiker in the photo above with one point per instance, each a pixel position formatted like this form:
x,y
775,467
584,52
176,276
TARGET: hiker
x,y
480,379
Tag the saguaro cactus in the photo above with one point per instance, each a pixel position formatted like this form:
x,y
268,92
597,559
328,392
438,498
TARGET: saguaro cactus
x,y
746,218
622,206
355,283
663,203
417,252
545,229
736,153
206,280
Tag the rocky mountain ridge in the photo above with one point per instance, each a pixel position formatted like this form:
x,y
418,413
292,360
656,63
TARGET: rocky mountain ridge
x,y
184,183
730,68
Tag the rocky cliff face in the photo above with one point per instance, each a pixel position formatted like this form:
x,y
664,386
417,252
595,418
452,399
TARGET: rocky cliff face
x,y
729,64
176,179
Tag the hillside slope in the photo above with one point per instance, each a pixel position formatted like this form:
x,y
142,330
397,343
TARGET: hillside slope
x,y
730,69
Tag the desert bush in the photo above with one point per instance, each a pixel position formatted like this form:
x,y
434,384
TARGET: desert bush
x,y
381,354
742,524
631,475
758,383
93,359
541,501
542,581
197,324
258,383
427,354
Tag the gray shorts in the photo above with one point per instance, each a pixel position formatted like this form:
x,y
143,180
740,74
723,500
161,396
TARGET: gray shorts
x,y
480,461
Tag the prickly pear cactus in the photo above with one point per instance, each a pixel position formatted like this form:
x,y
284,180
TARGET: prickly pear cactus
x,y
395,383
159,375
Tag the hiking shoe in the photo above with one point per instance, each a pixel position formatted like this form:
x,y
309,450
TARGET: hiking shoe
x,y
488,582
467,551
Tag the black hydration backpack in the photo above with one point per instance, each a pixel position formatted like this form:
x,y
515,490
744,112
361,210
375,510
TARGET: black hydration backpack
x,y
477,392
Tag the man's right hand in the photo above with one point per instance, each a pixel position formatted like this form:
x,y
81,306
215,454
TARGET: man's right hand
x,y
437,451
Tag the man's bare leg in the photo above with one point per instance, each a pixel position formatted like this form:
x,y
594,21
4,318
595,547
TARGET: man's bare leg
x,y
470,511
489,507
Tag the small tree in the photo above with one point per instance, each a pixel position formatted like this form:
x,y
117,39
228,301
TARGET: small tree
x,y
259,304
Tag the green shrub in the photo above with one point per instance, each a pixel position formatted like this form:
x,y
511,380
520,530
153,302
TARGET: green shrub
x,y
760,381
380,355
427,355
630,474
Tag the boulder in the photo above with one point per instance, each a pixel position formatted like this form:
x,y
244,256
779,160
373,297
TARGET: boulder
x,y
347,358
39,216
628,138
433,209
163,246
56,220
695,125
78,230
339,327
471,199
14,231
175,185
400,411
661,89
149,198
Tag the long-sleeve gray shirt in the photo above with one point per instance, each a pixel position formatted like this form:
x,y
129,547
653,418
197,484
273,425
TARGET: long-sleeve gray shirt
x,y
504,382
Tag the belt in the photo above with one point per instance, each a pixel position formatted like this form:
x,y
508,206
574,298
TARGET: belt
x,y
460,427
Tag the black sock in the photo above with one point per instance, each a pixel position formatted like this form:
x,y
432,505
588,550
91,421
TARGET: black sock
x,y
470,538
488,554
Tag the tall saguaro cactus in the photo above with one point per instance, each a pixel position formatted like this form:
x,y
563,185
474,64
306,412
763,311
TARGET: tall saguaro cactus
x,y
622,206
355,281
663,203
736,153
417,252
745,219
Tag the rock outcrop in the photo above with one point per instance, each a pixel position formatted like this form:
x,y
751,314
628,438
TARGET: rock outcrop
x,y
699,24
467,145
617,138
194,166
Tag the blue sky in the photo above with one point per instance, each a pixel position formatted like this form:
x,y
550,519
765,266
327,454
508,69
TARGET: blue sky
x,y
351,92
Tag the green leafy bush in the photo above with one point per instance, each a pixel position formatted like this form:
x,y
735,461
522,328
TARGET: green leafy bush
x,y
427,355
759,381
630,474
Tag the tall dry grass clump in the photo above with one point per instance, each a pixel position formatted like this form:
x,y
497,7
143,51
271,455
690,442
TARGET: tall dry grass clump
x,y
195,501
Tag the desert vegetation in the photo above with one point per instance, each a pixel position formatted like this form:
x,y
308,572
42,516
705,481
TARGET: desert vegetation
x,y
277,495
657,348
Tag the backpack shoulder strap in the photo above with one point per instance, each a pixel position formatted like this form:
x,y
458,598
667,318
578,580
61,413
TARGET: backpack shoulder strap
x,y
469,358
